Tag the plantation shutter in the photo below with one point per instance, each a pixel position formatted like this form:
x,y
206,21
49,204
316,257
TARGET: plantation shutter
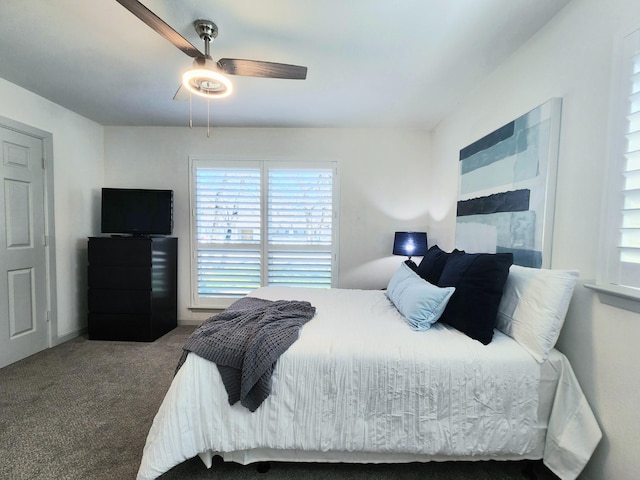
x,y
300,218
624,243
260,223
630,214
228,231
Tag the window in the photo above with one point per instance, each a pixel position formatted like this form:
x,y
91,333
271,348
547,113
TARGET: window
x,y
257,223
620,272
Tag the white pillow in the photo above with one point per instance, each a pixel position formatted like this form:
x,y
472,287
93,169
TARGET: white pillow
x,y
420,302
533,307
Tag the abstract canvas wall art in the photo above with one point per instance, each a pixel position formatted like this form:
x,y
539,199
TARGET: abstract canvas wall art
x,y
507,188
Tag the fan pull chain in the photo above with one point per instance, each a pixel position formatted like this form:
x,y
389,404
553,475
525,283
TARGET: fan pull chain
x,y
208,116
190,113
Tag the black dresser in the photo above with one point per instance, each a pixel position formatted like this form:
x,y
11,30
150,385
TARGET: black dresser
x,y
132,287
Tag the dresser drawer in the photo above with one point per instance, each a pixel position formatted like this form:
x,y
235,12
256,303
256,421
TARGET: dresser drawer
x,y
120,277
119,301
120,251
120,327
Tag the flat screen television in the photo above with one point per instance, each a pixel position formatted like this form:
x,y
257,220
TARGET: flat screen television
x,y
138,212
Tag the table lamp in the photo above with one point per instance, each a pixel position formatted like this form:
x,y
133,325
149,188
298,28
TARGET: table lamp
x,y
410,244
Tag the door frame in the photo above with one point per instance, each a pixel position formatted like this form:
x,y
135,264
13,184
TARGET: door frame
x,y
50,244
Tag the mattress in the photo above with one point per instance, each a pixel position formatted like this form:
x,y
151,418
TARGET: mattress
x,y
359,385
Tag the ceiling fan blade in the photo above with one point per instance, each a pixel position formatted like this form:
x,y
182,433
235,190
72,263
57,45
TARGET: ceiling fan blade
x,y
160,26
256,68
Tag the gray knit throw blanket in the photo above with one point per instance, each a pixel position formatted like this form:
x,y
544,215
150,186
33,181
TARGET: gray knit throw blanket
x,y
245,341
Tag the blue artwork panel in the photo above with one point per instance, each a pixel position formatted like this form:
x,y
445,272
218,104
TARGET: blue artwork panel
x,y
475,150
512,232
498,159
513,201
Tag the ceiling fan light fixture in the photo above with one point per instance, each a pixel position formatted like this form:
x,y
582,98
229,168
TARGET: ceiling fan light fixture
x,y
207,83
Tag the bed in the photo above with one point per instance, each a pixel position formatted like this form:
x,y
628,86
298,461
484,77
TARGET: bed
x,y
361,384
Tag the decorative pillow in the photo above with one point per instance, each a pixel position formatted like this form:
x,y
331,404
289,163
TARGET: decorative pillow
x,y
534,306
420,302
433,262
479,279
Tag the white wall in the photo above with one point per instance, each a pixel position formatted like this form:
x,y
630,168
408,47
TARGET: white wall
x,y
78,147
382,176
570,58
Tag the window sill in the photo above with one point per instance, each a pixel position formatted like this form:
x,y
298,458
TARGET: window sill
x,y
619,297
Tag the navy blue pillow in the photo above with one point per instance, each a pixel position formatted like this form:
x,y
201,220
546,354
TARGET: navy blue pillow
x,y
479,279
433,263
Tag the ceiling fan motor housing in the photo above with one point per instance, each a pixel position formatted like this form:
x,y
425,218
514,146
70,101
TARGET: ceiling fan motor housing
x,y
206,29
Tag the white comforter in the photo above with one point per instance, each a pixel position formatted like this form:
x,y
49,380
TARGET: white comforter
x,y
360,385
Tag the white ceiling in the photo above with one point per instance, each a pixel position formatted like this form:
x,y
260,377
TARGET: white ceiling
x,y
371,63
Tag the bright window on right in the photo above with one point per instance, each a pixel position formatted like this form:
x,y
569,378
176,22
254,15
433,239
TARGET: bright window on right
x,y
619,271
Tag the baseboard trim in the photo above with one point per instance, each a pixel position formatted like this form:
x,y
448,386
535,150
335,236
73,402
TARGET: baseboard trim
x,y
190,322
68,336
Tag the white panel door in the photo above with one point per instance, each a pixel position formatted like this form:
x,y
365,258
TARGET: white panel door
x,y
23,294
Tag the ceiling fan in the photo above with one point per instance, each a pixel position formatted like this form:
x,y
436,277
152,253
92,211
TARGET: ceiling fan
x,y
206,77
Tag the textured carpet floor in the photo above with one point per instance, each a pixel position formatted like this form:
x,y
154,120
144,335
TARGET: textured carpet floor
x,y
82,410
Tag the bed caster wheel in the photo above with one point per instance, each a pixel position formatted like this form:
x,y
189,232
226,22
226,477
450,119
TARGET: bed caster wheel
x,y
263,467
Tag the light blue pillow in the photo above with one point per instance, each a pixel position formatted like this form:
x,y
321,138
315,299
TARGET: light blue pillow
x,y
420,302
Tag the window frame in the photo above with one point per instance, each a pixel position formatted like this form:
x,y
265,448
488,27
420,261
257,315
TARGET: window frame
x,y
264,164
609,262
